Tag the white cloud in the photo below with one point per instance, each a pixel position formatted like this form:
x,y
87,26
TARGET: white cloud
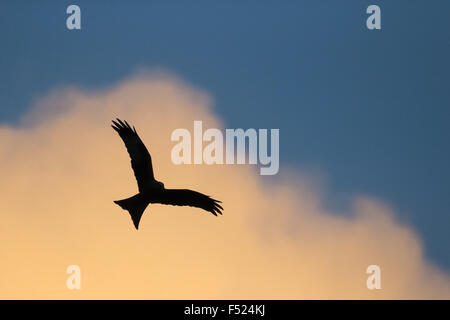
x,y
64,165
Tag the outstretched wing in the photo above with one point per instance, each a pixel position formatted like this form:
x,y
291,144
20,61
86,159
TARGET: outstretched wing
x,y
141,161
185,197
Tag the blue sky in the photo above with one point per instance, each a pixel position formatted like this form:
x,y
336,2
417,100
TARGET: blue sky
x,y
370,109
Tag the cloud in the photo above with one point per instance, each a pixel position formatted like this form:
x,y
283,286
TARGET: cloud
x,y
63,166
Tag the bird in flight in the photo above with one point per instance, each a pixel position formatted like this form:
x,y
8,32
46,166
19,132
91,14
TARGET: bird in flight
x,y
151,190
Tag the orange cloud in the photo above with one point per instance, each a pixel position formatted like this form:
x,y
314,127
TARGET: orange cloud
x,y
63,166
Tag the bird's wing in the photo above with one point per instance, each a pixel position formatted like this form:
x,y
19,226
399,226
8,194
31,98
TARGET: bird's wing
x,y
141,161
185,197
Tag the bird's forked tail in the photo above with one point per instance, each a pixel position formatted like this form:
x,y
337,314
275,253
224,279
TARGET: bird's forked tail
x,y
135,206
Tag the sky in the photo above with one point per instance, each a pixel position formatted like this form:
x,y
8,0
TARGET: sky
x,y
363,128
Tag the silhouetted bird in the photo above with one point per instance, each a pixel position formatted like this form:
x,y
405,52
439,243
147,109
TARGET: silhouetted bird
x,y
150,190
